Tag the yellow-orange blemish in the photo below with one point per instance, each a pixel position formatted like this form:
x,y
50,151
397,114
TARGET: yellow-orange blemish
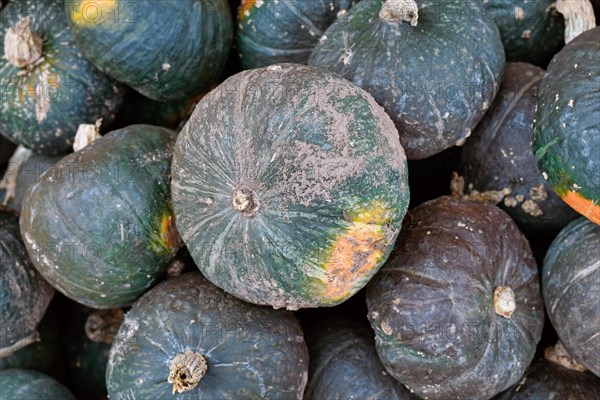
x,y
583,206
93,12
244,9
169,234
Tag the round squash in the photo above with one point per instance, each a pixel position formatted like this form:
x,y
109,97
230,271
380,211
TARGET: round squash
x,y
566,133
435,66
24,294
571,291
498,156
186,336
99,224
31,385
289,186
164,49
271,32
48,90
457,311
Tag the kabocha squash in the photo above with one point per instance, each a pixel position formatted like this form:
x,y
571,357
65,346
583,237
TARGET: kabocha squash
x,y
566,138
24,295
457,310
31,385
289,186
187,339
570,279
99,224
272,31
164,49
48,88
344,365
435,66
498,156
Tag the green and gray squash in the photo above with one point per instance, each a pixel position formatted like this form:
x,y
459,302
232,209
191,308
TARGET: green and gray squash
x,y
434,65
164,49
570,282
566,132
48,87
289,186
457,311
186,339
283,31
99,224
23,384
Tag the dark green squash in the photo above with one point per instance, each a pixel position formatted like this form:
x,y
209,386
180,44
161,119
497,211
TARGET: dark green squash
x,y
498,155
570,282
435,70
187,336
164,49
99,224
22,384
566,138
24,294
289,186
273,31
457,311
51,93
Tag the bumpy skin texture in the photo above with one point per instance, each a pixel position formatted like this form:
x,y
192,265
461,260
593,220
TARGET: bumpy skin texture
x,y
28,385
164,49
531,31
42,108
24,295
570,281
98,225
251,352
498,155
566,137
432,308
328,180
546,380
435,80
273,31
345,365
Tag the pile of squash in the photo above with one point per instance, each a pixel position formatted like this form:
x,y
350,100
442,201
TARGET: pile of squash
x,y
289,199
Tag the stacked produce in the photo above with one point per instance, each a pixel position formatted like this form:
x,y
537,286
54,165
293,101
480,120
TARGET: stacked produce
x,y
282,199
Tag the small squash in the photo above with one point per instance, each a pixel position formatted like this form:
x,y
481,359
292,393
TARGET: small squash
x,y
23,384
186,336
48,87
164,49
99,224
570,280
434,66
289,186
457,311
566,133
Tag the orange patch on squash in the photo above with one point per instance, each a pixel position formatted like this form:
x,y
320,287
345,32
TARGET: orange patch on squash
x,y
168,233
244,9
583,206
94,12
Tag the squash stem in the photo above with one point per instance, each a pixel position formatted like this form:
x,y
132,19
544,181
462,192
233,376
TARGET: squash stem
x,y
245,201
187,369
103,325
559,355
504,301
22,47
579,17
394,11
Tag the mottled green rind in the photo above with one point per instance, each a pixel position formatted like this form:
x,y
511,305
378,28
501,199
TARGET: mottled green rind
x,y
164,49
92,222
571,287
316,150
283,31
78,93
252,352
531,31
431,305
435,80
24,295
566,137
22,384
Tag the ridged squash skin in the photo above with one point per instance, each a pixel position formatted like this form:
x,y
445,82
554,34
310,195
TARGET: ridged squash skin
x,y
289,186
435,79
164,49
433,305
42,108
99,224
29,385
251,352
570,279
566,138
272,31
